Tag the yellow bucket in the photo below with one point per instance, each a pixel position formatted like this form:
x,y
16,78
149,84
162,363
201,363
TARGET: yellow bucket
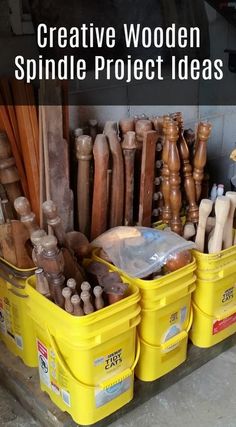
x,y
216,266
208,330
165,318
157,360
16,328
86,364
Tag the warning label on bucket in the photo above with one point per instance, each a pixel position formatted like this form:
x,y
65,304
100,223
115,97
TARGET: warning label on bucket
x,y
220,325
43,364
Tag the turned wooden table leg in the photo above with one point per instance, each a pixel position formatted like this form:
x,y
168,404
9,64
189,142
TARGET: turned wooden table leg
x,y
129,145
200,157
165,173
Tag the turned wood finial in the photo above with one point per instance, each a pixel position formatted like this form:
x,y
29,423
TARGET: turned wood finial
x,y
200,157
50,211
23,208
172,136
49,243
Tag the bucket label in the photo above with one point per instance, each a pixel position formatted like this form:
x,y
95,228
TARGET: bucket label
x,y
3,328
43,364
65,397
220,325
228,295
103,396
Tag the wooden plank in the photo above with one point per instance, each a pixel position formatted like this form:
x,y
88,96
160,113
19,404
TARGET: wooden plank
x,y
7,96
23,383
147,177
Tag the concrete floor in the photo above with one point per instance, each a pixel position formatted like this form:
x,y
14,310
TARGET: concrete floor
x,y
206,398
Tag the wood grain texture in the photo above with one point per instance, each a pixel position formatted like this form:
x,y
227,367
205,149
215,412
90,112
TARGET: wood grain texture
x,y
147,178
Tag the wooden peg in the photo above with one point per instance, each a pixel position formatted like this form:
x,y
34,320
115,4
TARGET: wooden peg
x,y
67,293
71,284
200,157
84,150
100,194
85,287
77,309
147,178
27,217
117,190
41,282
189,183
174,168
222,207
228,230
126,125
88,307
129,146
99,303
205,209
165,174
8,172
93,128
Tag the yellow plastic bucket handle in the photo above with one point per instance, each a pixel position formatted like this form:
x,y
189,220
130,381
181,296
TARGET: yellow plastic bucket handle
x,y
118,378
9,278
176,338
216,316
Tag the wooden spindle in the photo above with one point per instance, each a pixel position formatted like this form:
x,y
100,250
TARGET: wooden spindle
x,y
27,217
117,188
200,157
165,173
129,145
126,125
84,148
189,183
174,168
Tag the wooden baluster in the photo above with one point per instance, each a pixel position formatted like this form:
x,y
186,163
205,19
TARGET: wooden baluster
x,y
126,125
129,145
174,167
84,148
8,172
165,173
77,309
200,157
189,184
100,194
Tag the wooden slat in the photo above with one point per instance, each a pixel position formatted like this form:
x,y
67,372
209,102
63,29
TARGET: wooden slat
x,y
147,178
8,101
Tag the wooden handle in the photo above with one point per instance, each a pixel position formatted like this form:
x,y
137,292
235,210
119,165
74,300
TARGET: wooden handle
x,y
27,217
204,130
100,196
222,206
84,149
205,209
174,168
129,146
228,230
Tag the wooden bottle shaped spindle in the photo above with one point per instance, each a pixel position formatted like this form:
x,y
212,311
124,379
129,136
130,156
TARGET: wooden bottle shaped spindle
x,y
88,307
189,184
85,287
56,283
93,128
99,303
77,309
41,283
200,157
117,188
84,153
205,209
228,230
52,260
174,168
100,193
71,283
126,125
129,146
165,174
222,206
35,238
27,217
8,172
67,293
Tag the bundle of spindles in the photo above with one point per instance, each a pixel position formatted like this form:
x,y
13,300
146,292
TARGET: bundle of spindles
x,y
215,233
